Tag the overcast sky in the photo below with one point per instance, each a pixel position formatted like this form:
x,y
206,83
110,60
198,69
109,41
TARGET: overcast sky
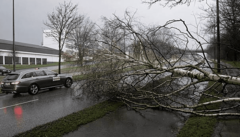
x,y
30,15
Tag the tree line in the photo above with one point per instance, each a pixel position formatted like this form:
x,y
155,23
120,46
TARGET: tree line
x,y
229,28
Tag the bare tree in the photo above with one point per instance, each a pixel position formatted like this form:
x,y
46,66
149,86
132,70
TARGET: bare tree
x,y
62,22
229,19
110,36
169,76
171,3
82,37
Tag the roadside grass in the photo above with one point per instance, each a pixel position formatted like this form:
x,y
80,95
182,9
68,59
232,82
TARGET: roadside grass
x,y
200,126
71,122
233,63
18,67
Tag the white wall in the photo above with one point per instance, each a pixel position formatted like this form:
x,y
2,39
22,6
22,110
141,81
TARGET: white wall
x,y
49,57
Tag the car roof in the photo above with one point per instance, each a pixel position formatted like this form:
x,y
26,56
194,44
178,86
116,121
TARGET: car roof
x,y
27,71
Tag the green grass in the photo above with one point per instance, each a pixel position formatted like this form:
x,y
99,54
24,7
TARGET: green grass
x,y
200,126
18,67
71,122
233,63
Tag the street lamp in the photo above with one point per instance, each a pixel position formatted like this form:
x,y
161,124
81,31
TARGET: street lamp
x,y
13,40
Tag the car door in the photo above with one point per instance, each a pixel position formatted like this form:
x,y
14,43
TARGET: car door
x,y
42,79
55,78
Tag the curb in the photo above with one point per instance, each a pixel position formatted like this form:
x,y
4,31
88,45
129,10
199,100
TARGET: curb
x,y
2,94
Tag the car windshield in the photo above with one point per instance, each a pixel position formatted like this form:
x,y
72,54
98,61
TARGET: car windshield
x,y
11,77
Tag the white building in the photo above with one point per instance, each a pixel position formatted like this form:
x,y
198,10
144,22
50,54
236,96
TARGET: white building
x,y
26,53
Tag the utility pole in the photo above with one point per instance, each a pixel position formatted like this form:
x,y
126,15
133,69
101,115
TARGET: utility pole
x,y
13,40
218,38
214,49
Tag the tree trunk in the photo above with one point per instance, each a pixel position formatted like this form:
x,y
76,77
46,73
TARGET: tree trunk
x,y
59,62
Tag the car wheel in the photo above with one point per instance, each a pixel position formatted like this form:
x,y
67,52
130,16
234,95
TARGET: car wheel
x,y
68,83
33,89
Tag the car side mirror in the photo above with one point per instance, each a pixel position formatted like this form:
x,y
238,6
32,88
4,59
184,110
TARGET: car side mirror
x,y
56,74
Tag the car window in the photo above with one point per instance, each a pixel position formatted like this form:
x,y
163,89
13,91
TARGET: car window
x,y
27,75
50,72
11,76
40,73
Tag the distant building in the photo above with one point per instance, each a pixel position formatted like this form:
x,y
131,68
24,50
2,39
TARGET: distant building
x,y
26,53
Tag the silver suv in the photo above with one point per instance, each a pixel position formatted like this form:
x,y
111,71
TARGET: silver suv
x,y
32,81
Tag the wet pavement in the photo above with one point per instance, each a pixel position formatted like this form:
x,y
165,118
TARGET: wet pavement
x,y
22,113
129,123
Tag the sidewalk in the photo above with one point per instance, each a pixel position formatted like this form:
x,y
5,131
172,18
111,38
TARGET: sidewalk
x,y
129,123
229,127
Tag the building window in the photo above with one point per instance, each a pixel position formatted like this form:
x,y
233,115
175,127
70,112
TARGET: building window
x,y
44,61
24,60
17,60
32,61
8,60
1,59
39,61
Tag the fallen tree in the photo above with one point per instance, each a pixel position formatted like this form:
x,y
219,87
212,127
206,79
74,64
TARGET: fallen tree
x,y
164,73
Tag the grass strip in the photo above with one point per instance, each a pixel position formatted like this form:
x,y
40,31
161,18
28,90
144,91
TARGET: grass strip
x,y
200,126
71,122
233,63
18,67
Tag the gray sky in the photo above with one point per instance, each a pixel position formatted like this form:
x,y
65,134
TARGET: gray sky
x,y
30,15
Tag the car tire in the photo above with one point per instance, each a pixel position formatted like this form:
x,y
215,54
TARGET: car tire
x,y
33,89
68,83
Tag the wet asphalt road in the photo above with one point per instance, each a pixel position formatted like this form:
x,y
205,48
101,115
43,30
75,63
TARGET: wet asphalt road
x,y
21,113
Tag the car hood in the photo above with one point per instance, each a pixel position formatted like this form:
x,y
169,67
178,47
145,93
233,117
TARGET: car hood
x,y
66,75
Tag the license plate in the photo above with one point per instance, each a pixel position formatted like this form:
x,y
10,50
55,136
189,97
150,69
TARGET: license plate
x,y
7,84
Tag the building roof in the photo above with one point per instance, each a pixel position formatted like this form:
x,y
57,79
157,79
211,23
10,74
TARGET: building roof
x,y
8,45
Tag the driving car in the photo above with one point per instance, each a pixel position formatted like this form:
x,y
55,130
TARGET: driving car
x,y
32,81
4,70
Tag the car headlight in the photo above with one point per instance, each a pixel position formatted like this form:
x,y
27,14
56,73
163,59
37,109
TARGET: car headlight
x,y
15,83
